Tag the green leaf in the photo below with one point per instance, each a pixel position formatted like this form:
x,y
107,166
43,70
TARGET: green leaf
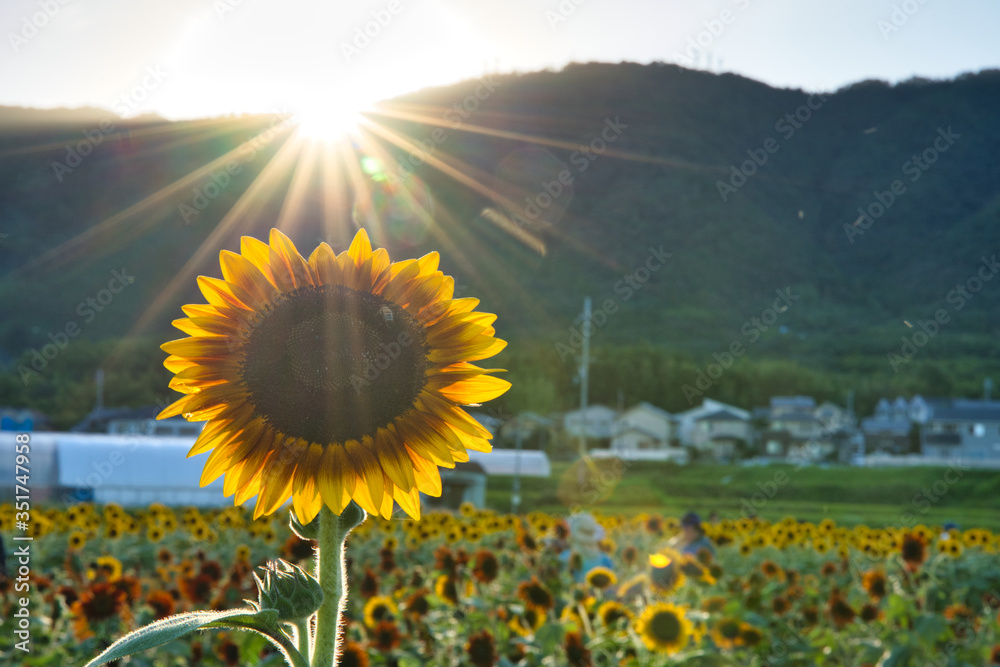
x,y
898,657
549,635
173,627
930,627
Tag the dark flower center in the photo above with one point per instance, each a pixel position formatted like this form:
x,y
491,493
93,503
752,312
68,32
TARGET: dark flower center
x,y
332,364
729,630
665,627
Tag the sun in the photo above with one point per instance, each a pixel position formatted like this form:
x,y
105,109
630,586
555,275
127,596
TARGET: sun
x,y
329,122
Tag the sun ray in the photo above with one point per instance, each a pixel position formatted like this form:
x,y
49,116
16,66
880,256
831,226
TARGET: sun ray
x,y
100,234
387,110
304,171
462,245
207,124
273,170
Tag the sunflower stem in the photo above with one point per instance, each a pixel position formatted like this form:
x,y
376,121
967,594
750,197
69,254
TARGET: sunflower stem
x,y
330,571
302,637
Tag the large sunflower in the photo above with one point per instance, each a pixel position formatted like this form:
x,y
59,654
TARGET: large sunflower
x,y
664,628
331,379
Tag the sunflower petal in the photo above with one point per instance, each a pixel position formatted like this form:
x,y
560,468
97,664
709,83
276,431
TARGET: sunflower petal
x,y
240,271
361,247
323,263
221,294
259,254
287,265
474,390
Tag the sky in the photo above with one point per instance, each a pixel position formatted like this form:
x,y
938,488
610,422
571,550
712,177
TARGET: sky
x,y
197,58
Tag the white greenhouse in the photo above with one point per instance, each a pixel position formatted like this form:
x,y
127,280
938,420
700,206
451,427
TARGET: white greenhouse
x,y
135,470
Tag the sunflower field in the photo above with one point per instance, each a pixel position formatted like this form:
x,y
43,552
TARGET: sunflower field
x,y
481,588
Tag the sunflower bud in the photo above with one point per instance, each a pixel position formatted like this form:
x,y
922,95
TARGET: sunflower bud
x,y
288,590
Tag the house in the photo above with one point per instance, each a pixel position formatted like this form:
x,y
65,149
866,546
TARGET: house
x,y
795,405
722,431
798,428
966,429
893,428
595,422
833,417
643,426
685,422
888,430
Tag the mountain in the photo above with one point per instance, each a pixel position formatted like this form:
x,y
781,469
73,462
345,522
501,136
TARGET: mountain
x,y
684,203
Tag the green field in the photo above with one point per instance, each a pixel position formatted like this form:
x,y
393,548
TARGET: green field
x,y
874,496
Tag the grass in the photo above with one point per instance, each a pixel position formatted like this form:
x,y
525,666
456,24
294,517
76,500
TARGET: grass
x,y
874,496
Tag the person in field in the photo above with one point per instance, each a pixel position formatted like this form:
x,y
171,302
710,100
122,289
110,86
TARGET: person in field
x,y
584,551
692,538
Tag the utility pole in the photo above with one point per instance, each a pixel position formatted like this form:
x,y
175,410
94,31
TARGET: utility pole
x,y
515,497
99,381
585,327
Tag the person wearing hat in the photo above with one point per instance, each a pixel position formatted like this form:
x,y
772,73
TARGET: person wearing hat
x,y
585,535
692,537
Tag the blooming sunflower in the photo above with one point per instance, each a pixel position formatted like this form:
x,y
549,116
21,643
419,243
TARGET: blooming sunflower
x,y
876,583
481,649
726,633
379,608
77,540
331,379
611,612
664,628
601,577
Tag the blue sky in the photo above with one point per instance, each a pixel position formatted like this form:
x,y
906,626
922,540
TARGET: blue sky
x,y
190,58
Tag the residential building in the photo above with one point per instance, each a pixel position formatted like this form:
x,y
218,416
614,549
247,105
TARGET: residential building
x,y
724,432
595,422
966,429
685,422
643,426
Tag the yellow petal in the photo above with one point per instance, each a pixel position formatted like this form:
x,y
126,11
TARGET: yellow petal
x,y
361,247
240,271
287,265
258,253
224,295
474,390
323,263
393,459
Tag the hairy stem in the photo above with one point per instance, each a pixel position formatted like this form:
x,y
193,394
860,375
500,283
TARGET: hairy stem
x,y
330,572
